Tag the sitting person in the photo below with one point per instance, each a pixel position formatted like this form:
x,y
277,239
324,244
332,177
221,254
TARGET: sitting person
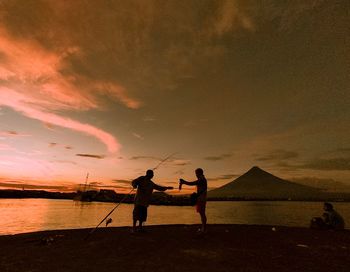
x,y
331,219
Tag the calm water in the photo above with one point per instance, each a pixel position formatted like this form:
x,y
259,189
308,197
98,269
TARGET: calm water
x,y
27,215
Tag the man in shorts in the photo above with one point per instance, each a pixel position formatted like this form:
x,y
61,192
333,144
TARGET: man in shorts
x,y
145,187
201,184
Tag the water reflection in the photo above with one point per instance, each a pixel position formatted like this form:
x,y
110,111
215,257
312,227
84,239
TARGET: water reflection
x,y
26,215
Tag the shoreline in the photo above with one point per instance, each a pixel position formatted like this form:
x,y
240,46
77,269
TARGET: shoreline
x,y
102,227
188,204
111,196
178,248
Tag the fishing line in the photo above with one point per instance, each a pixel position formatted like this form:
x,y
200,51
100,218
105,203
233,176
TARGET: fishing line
x,y
162,161
93,230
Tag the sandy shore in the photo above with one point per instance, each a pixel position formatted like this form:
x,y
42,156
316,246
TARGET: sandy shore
x,y
178,248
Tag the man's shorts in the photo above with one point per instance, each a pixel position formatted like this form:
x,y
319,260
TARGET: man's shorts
x,y
200,206
140,213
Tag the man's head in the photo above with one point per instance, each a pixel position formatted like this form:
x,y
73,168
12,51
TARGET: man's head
x,y
199,172
149,174
327,206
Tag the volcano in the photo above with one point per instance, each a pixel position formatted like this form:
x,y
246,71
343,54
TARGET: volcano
x,y
259,184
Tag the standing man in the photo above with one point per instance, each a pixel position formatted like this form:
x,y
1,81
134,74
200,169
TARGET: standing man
x,y
201,184
145,187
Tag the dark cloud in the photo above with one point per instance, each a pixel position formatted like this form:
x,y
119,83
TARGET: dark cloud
x,y
179,173
180,162
291,16
343,150
228,176
342,164
11,132
224,177
218,158
122,181
64,161
117,187
322,183
94,156
97,183
53,144
100,185
21,185
285,166
321,164
145,158
278,155
173,161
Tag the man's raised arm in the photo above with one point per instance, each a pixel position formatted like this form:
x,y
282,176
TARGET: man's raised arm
x,y
190,183
162,188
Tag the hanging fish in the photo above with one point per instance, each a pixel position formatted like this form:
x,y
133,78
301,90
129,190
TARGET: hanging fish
x,y
108,221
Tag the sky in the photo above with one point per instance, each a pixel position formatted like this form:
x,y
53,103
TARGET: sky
x,y
111,88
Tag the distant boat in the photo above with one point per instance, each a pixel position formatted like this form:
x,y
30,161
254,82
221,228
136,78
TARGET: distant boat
x,y
95,195
102,195
85,195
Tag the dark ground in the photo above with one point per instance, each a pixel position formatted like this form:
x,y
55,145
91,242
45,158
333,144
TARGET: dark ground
x,y
178,248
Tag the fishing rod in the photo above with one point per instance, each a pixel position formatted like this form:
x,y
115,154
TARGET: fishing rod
x,y
120,202
108,221
162,161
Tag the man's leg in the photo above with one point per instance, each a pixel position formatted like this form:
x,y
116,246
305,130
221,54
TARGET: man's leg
x,y
135,217
204,221
140,226
134,225
201,205
143,217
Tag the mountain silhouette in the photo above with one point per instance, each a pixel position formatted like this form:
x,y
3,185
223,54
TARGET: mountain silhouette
x,y
257,183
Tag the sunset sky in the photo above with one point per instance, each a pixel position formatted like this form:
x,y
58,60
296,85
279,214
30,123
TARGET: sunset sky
x,y
112,87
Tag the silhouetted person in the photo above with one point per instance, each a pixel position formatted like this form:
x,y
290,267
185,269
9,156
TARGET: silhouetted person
x,y
201,202
145,187
331,219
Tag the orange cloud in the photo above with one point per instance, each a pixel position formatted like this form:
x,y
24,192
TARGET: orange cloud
x,y
13,100
34,81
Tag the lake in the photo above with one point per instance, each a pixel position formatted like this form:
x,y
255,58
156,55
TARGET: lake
x,y
28,215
